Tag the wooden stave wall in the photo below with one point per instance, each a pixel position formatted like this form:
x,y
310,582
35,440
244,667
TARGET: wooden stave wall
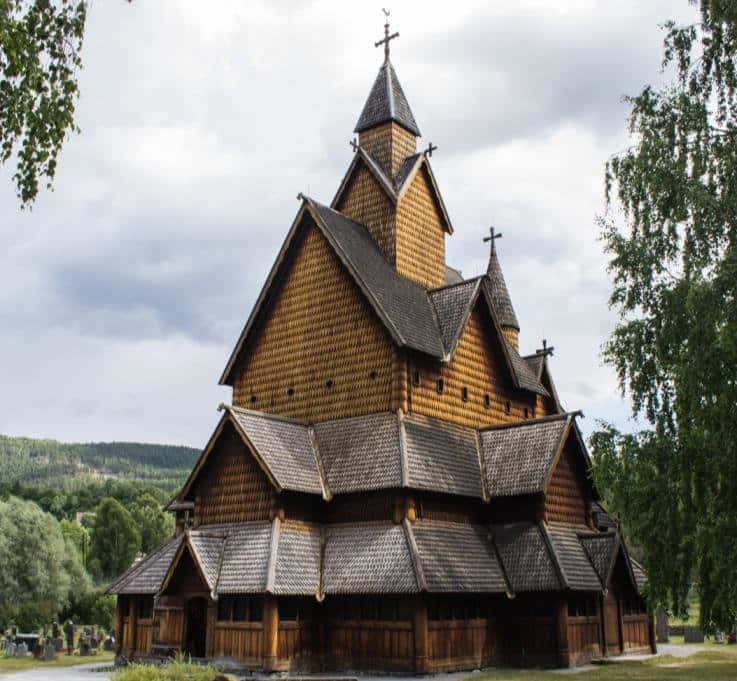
x,y
565,500
319,328
231,487
389,144
477,365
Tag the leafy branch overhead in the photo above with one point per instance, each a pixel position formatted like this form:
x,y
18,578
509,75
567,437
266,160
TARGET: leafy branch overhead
x,y
673,259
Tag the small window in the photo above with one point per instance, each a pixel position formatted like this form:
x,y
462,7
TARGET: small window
x,y
507,407
329,383
240,609
415,378
145,608
253,399
527,412
255,609
464,393
288,609
290,391
225,607
372,375
487,401
440,386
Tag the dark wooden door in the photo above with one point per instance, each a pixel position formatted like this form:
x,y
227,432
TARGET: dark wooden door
x,y
196,627
611,619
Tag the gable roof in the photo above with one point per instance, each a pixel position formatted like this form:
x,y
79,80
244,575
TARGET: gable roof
x,y
395,187
386,102
573,561
539,366
147,575
518,458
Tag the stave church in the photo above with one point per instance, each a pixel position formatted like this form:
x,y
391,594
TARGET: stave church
x,y
396,486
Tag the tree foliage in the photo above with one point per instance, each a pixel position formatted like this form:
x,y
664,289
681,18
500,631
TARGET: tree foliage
x,y
674,266
39,567
153,523
115,538
40,43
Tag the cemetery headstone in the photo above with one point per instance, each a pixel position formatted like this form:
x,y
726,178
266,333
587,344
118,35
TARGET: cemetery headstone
x,y
49,650
693,635
21,650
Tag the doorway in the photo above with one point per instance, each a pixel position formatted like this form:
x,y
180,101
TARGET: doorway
x,y
196,627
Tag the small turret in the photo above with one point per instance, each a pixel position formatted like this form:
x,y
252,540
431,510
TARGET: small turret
x,y
500,294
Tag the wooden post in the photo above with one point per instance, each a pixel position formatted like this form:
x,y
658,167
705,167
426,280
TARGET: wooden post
x,y
133,623
419,625
118,625
602,621
212,613
271,632
620,623
561,628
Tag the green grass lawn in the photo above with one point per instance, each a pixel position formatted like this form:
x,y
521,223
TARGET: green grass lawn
x,y
16,664
719,663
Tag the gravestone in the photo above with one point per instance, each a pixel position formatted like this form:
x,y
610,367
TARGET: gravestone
x,y
84,646
21,650
719,636
109,643
661,626
9,648
692,635
49,651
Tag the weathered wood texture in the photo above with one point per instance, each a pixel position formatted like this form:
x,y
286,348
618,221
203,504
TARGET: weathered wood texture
x,y
366,202
512,335
477,365
584,638
243,641
420,235
461,644
171,626
231,486
360,644
565,501
186,580
636,632
297,645
389,144
322,353
527,641
144,636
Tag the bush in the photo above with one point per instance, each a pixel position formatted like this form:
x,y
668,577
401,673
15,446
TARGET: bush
x,y
91,607
180,669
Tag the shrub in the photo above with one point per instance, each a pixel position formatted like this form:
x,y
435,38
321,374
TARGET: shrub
x,y
180,669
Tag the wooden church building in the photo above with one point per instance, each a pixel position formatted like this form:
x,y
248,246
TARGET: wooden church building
x,y
396,486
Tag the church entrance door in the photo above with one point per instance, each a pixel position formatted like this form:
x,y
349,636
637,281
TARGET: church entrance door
x,y
196,627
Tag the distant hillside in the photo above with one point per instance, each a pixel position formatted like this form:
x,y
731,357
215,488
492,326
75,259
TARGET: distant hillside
x,y
47,463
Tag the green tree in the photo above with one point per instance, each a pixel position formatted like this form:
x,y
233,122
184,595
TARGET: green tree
x,y
39,568
674,266
115,538
78,536
153,523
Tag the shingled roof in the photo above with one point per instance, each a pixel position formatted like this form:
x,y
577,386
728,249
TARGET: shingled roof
x,y
576,568
499,293
519,457
386,102
147,575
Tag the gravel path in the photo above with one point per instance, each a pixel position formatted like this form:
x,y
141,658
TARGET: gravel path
x,y
77,673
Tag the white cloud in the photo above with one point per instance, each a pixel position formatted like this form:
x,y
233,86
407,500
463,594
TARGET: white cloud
x,y
123,291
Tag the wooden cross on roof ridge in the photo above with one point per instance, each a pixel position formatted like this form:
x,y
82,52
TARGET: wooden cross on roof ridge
x,y
385,40
545,350
493,236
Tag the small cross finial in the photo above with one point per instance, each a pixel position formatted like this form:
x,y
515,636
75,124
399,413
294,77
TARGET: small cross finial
x,y
493,236
545,350
387,37
430,148
354,144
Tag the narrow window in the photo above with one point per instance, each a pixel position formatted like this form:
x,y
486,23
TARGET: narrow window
x,y
487,400
415,378
290,391
225,606
256,609
464,393
507,407
253,399
532,412
527,413
439,386
240,609
372,375
329,383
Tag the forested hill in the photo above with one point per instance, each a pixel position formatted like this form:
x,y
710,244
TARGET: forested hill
x,y
49,463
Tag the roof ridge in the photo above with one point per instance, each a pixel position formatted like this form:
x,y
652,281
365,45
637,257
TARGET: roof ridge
x,y
438,289
557,565
315,447
414,554
264,414
403,460
502,567
532,422
273,549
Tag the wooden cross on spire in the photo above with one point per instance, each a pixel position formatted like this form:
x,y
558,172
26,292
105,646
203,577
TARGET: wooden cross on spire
x,y
385,40
493,236
545,349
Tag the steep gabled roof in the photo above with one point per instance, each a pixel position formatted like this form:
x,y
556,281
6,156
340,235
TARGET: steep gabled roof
x,y
395,187
386,102
147,575
499,294
453,306
539,366
519,457
576,569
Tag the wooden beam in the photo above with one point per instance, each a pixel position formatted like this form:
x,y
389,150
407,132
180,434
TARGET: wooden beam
x,y
419,625
561,629
212,613
602,621
118,625
271,632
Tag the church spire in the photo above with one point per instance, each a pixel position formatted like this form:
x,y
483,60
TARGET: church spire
x,y
499,293
386,127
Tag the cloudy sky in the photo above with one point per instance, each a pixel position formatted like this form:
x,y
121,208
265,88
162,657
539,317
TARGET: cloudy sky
x,y
124,290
